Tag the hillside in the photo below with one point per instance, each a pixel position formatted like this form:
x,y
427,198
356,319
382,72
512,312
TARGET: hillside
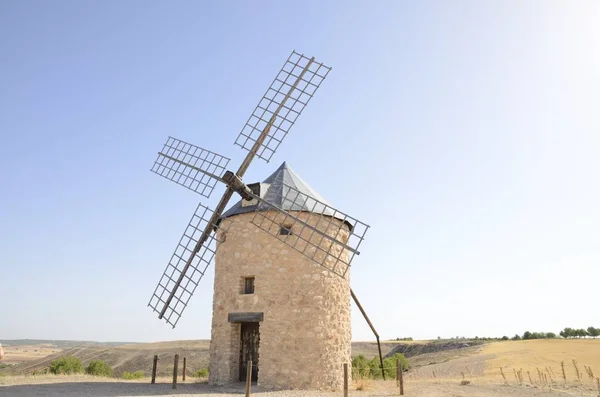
x,y
61,344
123,358
429,359
132,357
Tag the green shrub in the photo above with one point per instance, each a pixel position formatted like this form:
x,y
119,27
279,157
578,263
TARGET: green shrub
x,y
66,365
364,369
201,373
133,375
404,363
360,367
99,368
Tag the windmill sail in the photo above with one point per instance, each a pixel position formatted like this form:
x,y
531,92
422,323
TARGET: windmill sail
x,y
190,166
192,275
318,231
199,170
280,106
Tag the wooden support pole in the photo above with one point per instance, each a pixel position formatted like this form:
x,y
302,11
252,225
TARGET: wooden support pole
x,y
372,329
345,379
400,376
175,371
184,362
248,378
154,363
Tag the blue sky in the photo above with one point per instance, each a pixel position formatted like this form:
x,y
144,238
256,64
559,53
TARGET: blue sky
x,y
466,134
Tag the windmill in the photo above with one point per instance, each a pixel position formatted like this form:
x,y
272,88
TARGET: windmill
x,y
326,236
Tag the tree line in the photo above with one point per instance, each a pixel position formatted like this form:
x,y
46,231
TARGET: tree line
x,y
565,333
580,332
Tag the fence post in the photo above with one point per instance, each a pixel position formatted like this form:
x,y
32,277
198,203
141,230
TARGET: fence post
x,y
175,371
400,376
154,363
184,362
248,378
345,379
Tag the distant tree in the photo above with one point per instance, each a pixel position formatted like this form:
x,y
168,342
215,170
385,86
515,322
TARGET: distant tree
x,y
593,332
516,337
568,333
527,335
582,333
505,337
550,335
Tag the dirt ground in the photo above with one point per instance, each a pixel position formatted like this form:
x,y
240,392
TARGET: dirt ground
x,y
84,386
432,374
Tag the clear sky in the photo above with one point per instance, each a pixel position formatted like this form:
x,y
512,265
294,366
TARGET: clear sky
x,y
466,134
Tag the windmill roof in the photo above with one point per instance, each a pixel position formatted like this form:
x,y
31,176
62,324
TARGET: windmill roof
x,y
283,198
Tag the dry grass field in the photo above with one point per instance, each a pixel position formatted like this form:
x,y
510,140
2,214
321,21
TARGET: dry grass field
x,y
24,353
530,363
531,355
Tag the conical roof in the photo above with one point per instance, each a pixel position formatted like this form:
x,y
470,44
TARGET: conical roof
x,y
278,195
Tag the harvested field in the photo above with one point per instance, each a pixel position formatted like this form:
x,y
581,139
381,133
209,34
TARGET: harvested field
x,y
25,353
531,355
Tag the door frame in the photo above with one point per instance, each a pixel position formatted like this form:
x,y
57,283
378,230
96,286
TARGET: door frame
x,y
243,366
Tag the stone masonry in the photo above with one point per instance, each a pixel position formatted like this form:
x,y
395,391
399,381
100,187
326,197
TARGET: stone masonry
x,y
305,334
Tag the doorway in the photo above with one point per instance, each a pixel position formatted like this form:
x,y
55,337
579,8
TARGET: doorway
x,y
250,339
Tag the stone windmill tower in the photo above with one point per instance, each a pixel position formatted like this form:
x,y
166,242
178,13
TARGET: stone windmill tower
x,y
273,305
282,293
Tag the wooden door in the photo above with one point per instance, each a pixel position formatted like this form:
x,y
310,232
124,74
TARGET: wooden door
x,y
250,338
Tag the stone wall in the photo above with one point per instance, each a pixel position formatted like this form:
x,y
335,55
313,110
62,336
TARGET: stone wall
x,y
305,335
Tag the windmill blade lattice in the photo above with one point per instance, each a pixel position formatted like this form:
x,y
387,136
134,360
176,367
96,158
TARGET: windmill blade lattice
x,y
199,170
318,231
284,101
194,273
190,166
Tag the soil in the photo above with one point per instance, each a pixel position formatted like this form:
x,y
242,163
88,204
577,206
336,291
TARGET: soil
x,y
82,386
